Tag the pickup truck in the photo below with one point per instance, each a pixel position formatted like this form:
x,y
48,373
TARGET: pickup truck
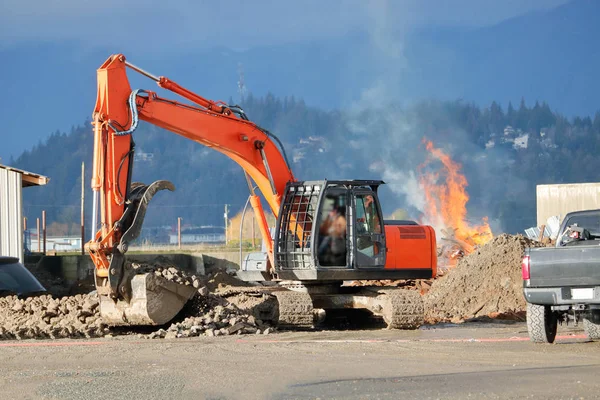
x,y
562,283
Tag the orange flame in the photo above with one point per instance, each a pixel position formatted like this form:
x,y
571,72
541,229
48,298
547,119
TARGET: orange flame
x,y
446,203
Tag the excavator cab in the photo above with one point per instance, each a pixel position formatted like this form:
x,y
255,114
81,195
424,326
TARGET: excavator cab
x,y
330,230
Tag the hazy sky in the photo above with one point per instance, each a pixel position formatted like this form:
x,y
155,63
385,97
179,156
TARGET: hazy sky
x,y
35,33
192,24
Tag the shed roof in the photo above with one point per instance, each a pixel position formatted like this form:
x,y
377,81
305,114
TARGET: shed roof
x,y
29,178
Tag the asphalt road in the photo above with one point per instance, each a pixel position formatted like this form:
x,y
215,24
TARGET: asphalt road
x,y
470,361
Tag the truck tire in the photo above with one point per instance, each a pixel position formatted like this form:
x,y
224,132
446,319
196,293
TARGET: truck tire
x,y
542,323
591,329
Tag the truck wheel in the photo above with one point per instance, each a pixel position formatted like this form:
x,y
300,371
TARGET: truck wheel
x,y
542,323
591,329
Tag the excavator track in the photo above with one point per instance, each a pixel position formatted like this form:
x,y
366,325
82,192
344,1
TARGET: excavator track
x,y
295,310
403,309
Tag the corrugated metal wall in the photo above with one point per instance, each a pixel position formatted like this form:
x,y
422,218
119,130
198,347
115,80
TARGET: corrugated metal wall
x,y
11,218
564,198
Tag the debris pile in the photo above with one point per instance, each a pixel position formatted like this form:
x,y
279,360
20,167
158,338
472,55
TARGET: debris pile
x,y
486,282
210,312
216,309
161,267
44,317
212,315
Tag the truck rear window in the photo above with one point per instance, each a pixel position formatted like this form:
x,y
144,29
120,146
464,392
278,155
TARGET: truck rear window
x,y
589,222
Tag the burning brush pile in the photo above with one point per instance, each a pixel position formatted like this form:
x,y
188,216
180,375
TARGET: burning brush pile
x,y
485,278
446,201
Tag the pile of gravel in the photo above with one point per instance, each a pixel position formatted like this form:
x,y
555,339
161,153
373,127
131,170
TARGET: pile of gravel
x,y
487,282
212,315
43,317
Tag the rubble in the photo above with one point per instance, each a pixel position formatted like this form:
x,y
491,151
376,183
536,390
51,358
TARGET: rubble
x,y
44,317
212,315
486,282
161,266
208,313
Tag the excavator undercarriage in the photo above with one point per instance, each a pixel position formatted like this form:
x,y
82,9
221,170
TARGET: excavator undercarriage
x,y
295,305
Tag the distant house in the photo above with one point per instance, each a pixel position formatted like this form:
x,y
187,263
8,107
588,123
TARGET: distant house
x,y
54,243
203,234
521,142
509,131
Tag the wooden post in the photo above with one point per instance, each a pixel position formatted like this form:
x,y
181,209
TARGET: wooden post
x,y
82,207
179,231
39,237
542,231
24,223
44,230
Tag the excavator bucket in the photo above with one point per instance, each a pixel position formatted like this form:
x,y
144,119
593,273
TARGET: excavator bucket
x,y
154,301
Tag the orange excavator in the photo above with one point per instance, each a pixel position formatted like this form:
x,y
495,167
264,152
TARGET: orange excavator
x,y
327,232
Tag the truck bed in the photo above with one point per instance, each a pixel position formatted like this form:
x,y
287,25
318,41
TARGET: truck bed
x,y
564,275
565,266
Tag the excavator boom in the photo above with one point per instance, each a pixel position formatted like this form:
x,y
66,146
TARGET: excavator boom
x,y
122,203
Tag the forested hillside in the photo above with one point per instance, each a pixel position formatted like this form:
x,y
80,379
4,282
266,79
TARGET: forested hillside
x,y
504,154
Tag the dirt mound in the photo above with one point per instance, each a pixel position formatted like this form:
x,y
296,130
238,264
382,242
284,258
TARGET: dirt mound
x,y
486,282
45,317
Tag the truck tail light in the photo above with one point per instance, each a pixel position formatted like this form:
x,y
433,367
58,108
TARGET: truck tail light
x,y
525,267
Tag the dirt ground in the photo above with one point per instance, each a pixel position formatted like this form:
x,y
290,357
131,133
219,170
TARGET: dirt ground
x,y
472,360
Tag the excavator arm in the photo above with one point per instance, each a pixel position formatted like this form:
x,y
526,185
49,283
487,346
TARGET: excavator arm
x,y
122,204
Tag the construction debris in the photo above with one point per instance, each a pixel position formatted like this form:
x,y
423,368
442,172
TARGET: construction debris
x,y
208,314
486,282
45,317
212,316
162,267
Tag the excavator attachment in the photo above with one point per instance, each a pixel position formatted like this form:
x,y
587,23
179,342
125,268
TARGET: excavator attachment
x,y
128,298
154,301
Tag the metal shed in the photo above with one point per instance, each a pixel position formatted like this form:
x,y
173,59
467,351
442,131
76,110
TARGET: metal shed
x,y
12,182
560,199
